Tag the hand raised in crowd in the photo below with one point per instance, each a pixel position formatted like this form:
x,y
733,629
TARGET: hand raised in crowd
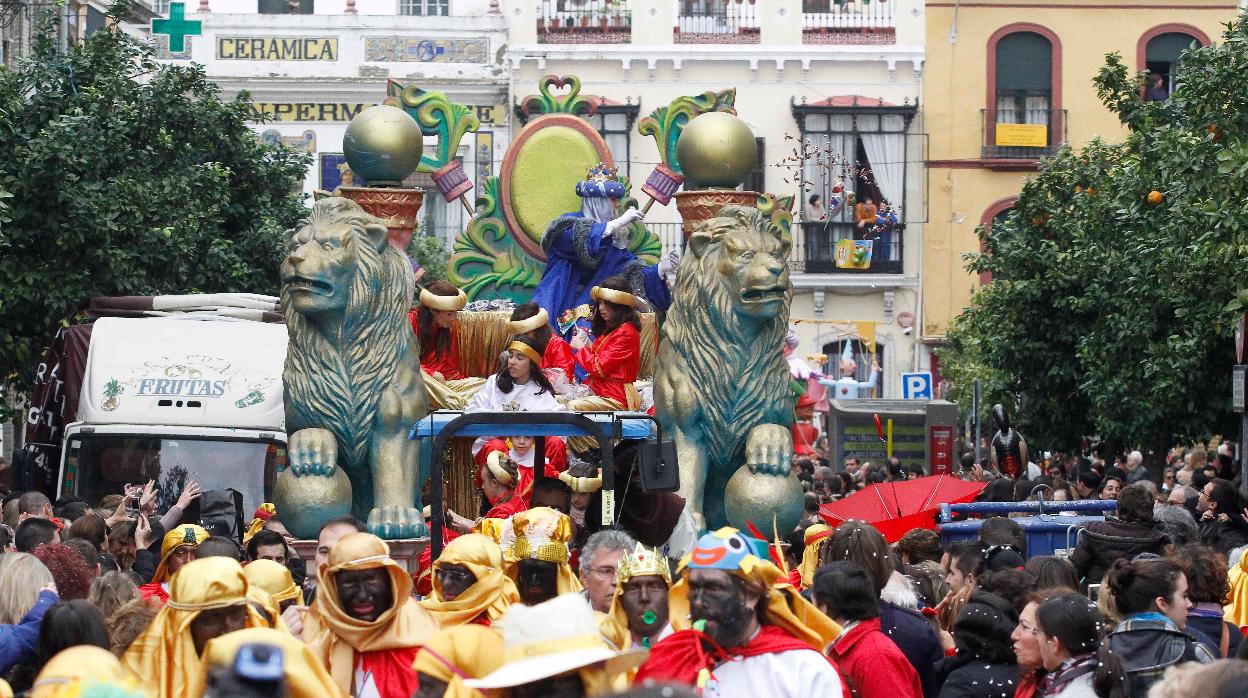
x,y
293,617
119,517
51,586
143,537
147,501
189,494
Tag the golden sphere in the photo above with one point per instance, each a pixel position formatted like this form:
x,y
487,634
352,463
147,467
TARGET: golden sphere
x,y
383,145
716,151
307,502
757,497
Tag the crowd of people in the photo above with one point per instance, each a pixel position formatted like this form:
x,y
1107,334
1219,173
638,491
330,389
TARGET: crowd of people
x,y
525,602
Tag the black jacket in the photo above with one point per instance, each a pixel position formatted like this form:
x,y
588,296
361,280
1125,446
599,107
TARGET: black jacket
x,y
916,639
966,677
1103,542
1147,646
1222,537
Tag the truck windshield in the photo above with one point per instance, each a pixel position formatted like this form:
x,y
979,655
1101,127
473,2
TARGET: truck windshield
x,y
101,464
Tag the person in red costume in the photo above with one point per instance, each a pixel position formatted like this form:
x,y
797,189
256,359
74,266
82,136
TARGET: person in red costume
x,y
521,450
612,361
532,320
805,433
435,324
729,584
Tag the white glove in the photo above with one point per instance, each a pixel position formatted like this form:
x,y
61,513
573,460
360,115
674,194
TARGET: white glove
x,y
668,266
623,221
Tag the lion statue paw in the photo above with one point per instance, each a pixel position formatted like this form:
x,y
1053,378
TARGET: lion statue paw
x,y
769,450
396,522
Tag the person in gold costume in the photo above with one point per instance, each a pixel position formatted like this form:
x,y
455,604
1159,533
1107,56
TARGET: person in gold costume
x,y
207,599
454,655
305,676
538,558
469,586
364,624
639,605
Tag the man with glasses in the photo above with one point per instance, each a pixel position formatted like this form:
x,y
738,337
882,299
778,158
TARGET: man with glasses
x,y
600,561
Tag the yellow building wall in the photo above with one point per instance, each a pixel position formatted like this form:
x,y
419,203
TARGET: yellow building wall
x,y
955,84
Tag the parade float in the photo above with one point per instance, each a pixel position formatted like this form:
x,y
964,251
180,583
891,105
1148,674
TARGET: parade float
x,y
725,302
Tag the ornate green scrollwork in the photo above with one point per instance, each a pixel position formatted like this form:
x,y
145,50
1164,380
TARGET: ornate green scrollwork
x,y
548,103
666,123
437,116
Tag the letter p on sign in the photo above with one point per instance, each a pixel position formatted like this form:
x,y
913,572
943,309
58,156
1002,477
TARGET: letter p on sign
x,y
916,386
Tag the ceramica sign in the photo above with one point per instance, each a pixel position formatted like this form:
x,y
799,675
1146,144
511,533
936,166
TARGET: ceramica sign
x,y
277,48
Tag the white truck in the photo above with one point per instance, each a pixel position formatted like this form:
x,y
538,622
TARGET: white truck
x,y
178,398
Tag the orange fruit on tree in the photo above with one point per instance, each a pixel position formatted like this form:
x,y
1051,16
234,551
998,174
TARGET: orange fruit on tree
x,y
1155,197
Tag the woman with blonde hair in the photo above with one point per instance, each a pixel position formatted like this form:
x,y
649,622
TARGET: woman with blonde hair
x,y
112,590
26,593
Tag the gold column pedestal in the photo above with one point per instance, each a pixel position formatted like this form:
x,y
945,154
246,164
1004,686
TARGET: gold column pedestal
x,y
398,208
702,204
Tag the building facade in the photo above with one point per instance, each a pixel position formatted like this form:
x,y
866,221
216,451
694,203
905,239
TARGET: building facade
x,y
831,93
1007,83
312,65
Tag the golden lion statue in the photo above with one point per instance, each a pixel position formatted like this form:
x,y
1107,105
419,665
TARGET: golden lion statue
x,y
721,386
352,376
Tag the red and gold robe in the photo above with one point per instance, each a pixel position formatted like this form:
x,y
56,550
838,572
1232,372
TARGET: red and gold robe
x,y
612,363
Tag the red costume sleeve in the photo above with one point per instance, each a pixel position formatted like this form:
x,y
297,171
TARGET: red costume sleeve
x,y
506,509
558,355
612,361
556,456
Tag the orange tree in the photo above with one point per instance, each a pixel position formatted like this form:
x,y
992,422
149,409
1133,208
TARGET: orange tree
x,y
1119,272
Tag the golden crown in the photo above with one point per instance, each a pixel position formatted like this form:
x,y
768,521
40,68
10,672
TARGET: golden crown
x,y
601,173
642,562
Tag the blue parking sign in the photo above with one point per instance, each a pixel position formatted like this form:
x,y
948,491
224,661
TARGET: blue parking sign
x,y
916,386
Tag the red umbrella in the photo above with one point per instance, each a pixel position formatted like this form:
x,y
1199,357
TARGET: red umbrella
x,y
896,507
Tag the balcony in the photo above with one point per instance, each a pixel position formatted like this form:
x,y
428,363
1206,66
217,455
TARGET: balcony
x,y
584,22
1022,134
814,247
833,22
717,22
815,251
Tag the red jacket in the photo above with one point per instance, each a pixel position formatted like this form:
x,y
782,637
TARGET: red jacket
x,y
874,663
612,362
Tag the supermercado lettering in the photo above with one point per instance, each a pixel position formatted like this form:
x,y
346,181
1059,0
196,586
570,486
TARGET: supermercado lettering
x,y
309,111
181,387
277,48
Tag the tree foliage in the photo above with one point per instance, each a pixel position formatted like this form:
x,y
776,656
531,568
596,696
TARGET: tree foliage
x,y
127,177
1111,313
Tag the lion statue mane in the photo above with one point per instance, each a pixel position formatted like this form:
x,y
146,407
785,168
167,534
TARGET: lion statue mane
x,y
721,383
351,382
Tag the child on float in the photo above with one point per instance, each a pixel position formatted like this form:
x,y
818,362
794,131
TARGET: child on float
x,y
612,360
499,482
532,320
521,386
435,323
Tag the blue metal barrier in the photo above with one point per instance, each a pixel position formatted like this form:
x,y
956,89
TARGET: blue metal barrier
x,y
1047,533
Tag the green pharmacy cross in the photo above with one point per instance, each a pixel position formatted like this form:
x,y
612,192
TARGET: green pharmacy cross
x,y
177,27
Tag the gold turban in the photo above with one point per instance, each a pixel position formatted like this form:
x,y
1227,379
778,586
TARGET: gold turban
x,y
785,606
529,324
602,293
335,636
491,594
164,655
306,677
263,514
186,534
814,539
435,302
543,534
275,580
463,652
1237,610
74,668
581,485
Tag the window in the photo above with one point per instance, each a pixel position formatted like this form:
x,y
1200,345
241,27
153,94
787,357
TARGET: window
x,y
425,8
993,215
1161,57
863,149
161,7
615,124
1024,79
863,358
285,7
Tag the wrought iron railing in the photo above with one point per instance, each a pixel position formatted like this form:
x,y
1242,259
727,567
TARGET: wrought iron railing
x,y
717,21
822,19
816,248
1022,133
584,22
